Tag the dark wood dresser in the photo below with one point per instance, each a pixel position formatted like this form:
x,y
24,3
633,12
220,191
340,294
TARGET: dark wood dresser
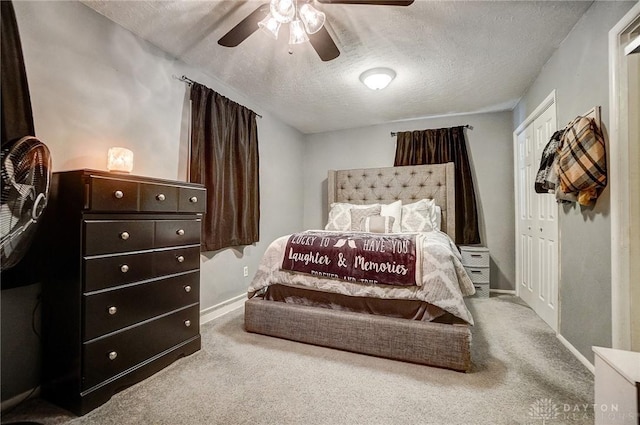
x,y
121,297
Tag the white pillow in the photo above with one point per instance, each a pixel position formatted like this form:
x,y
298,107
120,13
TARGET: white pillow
x,y
419,216
340,216
438,217
393,210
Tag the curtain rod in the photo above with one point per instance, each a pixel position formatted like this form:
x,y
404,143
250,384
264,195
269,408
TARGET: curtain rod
x,y
393,133
189,81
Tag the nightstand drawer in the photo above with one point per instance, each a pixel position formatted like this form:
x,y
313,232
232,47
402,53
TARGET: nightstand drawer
x,y
482,290
177,232
111,355
478,274
107,237
109,311
475,256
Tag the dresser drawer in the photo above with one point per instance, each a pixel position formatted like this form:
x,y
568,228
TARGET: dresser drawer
x,y
106,194
116,270
111,355
475,257
157,198
177,260
177,232
192,200
106,236
109,311
478,274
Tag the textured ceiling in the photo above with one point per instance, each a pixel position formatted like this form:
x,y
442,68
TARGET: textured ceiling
x,y
451,57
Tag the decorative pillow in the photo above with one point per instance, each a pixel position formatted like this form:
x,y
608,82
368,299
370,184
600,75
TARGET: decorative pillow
x,y
359,214
340,215
378,224
438,217
419,216
393,210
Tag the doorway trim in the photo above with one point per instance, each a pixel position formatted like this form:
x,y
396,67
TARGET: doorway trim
x,y
625,238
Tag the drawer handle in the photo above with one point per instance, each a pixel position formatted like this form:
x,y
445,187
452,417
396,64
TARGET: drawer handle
x,y
161,197
476,255
193,199
113,310
476,271
113,355
187,288
124,268
180,258
187,323
124,236
180,232
118,194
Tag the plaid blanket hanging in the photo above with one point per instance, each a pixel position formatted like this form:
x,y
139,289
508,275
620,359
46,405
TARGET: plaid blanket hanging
x,y
582,165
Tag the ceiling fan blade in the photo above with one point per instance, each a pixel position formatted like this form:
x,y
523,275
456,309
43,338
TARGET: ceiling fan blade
x,y
323,45
245,28
371,2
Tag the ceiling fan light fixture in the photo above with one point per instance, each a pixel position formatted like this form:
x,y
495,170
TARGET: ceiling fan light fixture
x,y
377,78
270,25
283,10
297,34
312,18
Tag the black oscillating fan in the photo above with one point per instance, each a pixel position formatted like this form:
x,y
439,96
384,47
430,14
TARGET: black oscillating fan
x,y
26,173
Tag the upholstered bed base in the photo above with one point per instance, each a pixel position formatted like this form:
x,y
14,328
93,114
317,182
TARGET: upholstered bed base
x,y
433,344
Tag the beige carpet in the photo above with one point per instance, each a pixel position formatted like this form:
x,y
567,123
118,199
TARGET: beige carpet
x,y
521,375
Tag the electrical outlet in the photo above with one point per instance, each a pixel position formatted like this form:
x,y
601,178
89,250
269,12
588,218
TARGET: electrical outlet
x,y
245,271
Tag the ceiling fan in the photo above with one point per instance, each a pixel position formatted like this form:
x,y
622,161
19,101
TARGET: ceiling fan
x,y
306,23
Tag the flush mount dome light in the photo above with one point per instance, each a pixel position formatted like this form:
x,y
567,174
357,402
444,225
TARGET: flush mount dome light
x,y
377,78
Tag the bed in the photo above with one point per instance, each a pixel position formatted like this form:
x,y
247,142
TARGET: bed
x,y
425,322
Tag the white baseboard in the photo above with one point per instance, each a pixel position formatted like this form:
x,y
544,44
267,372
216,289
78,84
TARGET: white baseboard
x,y
577,353
222,308
503,291
15,400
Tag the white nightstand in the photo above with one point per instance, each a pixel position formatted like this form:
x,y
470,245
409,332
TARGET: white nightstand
x,y
617,386
476,261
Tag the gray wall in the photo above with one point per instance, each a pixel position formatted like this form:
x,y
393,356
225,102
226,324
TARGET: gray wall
x,y
579,72
491,150
94,85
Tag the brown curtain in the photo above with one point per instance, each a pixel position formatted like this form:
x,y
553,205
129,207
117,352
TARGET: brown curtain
x,y
17,118
438,146
224,157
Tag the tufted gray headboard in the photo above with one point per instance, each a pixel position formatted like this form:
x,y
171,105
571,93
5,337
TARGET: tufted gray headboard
x,y
407,183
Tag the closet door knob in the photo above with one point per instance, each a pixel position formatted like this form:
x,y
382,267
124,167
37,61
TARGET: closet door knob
x,y
118,194
187,288
180,258
180,232
161,197
113,355
112,310
124,268
124,236
193,199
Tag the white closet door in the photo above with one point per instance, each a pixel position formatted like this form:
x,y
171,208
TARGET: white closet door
x,y
537,250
